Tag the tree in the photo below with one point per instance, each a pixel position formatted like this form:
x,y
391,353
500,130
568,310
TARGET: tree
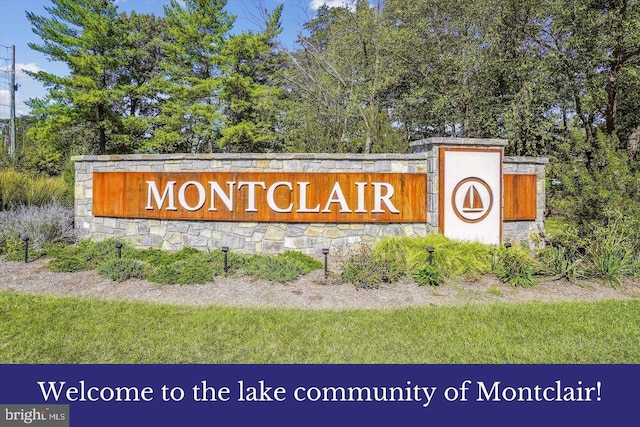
x,y
138,102
595,47
250,91
190,81
82,34
335,79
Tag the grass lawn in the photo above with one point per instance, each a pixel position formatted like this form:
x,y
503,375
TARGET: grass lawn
x,y
39,329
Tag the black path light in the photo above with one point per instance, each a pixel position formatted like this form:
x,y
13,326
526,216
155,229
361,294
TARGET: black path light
x,y
431,250
119,249
26,248
325,252
507,245
225,250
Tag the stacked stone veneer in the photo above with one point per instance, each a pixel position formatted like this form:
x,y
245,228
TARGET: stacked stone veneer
x,y
249,237
268,237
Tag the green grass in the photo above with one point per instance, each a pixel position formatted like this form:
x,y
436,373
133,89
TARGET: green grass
x,y
38,329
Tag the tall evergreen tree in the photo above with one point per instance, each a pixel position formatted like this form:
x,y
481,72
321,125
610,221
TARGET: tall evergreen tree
x,y
251,90
83,35
190,81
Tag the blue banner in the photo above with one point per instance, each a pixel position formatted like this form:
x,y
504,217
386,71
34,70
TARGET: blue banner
x,y
288,395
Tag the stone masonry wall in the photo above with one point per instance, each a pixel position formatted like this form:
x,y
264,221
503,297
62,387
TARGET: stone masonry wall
x,y
241,236
265,237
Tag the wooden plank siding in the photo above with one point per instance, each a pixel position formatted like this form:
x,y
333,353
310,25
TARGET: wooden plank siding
x,y
304,196
520,197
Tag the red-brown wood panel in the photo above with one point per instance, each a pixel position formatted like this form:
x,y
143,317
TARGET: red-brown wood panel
x,y
520,197
301,197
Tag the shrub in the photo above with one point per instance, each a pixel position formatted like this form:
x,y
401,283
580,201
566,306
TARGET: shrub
x,y
561,263
514,266
367,269
305,262
120,270
13,189
453,258
611,255
68,263
44,225
181,272
429,275
17,189
281,268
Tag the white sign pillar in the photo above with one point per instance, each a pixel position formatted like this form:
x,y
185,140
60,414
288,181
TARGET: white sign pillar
x,y
471,194
465,187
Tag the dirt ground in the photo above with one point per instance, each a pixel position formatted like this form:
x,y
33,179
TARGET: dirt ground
x,y
311,292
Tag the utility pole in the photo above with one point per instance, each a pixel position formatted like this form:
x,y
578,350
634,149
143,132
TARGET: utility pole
x,y
12,121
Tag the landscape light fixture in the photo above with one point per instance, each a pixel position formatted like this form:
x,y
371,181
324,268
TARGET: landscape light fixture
x,y
119,249
225,250
325,252
507,245
431,250
26,248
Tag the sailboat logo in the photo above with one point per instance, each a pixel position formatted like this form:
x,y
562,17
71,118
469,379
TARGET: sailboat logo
x,y
472,200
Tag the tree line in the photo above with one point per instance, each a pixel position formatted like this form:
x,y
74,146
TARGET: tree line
x,y
554,77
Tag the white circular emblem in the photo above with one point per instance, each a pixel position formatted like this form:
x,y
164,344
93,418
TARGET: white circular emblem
x,y
472,200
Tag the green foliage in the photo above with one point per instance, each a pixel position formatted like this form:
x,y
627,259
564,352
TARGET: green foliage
x,y
429,275
17,189
250,92
454,259
182,272
84,35
366,268
68,263
280,268
186,266
13,250
561,263
190,117
600,186
515,266
13,190
120,270
611,255
306,263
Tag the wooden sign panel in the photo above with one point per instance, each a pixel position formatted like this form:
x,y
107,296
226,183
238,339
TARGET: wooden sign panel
x,y
520,197
262,196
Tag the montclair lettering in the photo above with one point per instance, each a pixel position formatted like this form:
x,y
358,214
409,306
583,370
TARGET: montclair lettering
x,y
556,392
214,196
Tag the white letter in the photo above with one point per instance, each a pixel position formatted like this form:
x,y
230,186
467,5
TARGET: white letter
x,y
201,195
153,191
361,186
303,199
251,202
271,197
226,199
339,198
52,389
482,391
378,197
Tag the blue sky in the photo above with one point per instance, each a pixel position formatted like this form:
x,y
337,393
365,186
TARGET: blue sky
x,y
15,29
